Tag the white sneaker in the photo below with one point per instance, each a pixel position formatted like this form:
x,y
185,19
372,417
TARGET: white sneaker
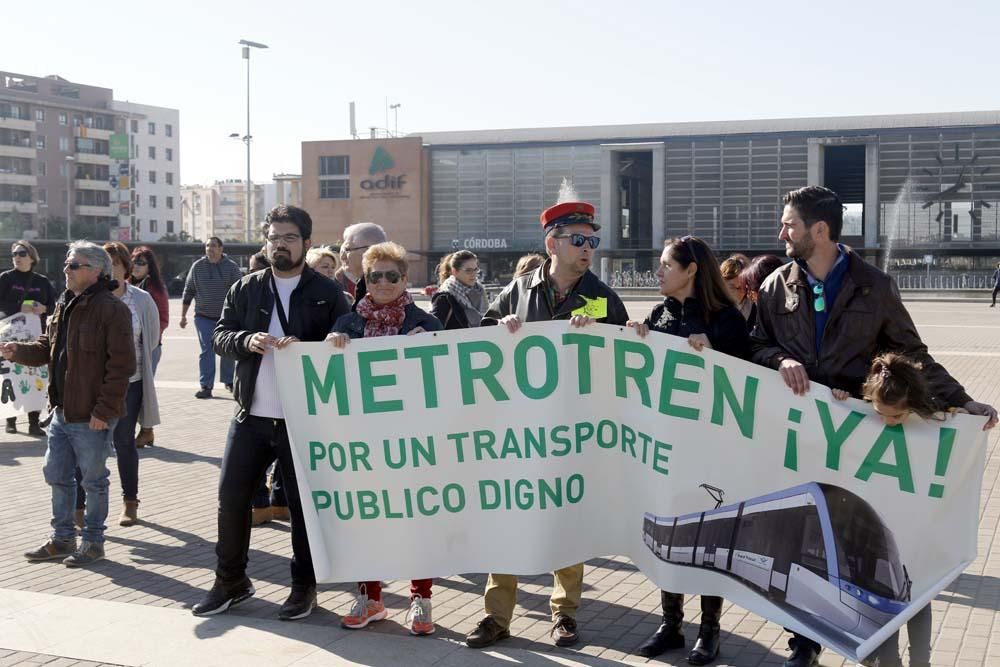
x,y
419,617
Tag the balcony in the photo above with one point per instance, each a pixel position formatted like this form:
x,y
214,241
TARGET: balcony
x,y
10,178
91,184
97,211
92,133
22,207
91,158
17,124
18,151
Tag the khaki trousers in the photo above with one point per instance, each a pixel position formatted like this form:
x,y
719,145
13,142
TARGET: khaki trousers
x,y
501,594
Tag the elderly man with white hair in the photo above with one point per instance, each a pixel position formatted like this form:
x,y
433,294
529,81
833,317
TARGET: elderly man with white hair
x,y
90,332
357,238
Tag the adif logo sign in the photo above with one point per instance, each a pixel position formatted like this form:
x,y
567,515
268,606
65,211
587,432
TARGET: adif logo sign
x,y
381,163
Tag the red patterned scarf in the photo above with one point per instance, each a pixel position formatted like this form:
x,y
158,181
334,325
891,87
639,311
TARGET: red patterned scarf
x,y
386,319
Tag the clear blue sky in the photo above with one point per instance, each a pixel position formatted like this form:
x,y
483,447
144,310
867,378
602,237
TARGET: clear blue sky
x,y
476,65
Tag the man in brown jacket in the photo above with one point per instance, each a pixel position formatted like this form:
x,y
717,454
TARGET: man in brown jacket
x,y
824,317
88,347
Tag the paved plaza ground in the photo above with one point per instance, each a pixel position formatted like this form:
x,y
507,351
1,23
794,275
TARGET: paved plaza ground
x,y
133,608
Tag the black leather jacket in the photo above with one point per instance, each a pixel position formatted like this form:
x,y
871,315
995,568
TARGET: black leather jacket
x,y
727,331
528,298
315,305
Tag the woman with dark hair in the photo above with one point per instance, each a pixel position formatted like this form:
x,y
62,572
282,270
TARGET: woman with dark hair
x,y
140,401
753,277
696,306
460,300
386,309
146,276
24,291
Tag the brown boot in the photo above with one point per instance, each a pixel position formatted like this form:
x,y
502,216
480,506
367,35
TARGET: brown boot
x,y
145,438
78,518
280,513
260,515
130,513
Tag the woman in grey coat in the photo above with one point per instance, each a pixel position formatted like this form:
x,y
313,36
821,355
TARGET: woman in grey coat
x,y
140,402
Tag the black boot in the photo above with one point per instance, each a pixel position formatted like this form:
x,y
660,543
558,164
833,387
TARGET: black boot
x,y
668,635
706,648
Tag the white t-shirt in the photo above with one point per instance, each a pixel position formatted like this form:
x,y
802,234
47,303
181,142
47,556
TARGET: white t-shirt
x,y
265,395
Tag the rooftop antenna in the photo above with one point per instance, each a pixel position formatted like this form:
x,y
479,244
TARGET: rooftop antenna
x,y
354,127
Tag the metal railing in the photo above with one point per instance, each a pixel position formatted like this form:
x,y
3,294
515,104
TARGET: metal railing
x,y
944,281
634,279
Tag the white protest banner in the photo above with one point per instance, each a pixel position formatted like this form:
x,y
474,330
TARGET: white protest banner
x,y
22,388
485,451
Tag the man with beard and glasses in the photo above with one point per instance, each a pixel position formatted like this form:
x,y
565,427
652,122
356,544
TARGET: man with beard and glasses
x,y
826,315
265,311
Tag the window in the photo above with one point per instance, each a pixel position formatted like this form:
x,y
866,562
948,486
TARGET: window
x,y
134,126
64,144
43,196
170,176
41,169
335,165
170,223
152,226
152,152
152,128
169,131
40,141
334,188
169,154
136,151
335,177
40,115
62,168
152,201
152,176
170,202
63,120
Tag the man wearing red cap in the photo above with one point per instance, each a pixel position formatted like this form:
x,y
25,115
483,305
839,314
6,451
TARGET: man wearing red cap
x,y
562,288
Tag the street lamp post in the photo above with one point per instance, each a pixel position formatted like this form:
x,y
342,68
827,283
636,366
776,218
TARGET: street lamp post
x,y
247,45
70,160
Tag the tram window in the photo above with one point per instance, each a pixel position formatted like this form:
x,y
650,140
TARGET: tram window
x,y
813,553
866,550
717,534
684,536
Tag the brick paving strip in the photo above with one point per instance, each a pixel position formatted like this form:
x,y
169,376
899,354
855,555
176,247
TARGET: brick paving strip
x,y
164,565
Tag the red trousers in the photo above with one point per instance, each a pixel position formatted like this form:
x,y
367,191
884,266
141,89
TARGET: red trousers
x,y
421,587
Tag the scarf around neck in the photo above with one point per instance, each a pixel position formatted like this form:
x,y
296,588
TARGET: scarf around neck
x,y
472,299
385,319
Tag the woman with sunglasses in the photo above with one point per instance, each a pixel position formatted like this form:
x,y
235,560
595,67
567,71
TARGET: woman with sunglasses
x,y
146,276
460,300
22,290
386,310
697,306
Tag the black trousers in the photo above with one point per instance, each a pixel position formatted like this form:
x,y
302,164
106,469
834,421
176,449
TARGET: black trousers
x,y
995,290
250,447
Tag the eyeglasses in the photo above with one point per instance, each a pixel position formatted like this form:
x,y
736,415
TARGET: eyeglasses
x,y
360,247
375,277
139,262
819,302
578,240
287,239
472,270
19,253
75,266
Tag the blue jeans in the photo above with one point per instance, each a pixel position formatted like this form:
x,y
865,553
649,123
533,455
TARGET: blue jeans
x,y
206,360
157,353
125,452
71,446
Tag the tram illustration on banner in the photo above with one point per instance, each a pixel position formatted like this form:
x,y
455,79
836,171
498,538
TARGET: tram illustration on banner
x,y
818,551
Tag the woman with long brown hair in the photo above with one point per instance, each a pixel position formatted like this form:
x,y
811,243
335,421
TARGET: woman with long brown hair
x,y
696,306
460,300
146,276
